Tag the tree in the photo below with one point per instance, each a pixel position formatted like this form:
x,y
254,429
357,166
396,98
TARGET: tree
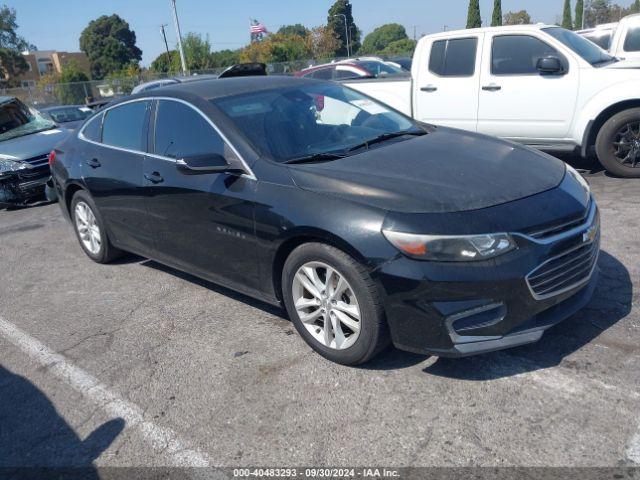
x,y
577,24
277,48
322,43
405,46
597,12
635,8
335,22
567,21
517,18
297,29
71,89
382,36
474,20
110,45
496,19
224,58
162,63
197,53
12,62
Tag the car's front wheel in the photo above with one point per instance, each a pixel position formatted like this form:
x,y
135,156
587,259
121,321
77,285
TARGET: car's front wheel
x,y
618,144
90,229
334,304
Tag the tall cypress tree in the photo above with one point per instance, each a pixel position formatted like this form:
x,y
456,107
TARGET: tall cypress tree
x,y
473,17
577,25
566,16
635,8
496,20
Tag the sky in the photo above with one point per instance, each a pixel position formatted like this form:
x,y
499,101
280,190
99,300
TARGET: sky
x,y
56,25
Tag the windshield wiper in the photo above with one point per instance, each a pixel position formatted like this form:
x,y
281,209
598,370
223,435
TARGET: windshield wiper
x,y
316,157
386,136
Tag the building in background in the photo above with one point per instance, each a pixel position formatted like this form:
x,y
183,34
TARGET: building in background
x,y
46,62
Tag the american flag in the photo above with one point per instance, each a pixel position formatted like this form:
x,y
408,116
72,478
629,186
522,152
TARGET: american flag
x,y
258,28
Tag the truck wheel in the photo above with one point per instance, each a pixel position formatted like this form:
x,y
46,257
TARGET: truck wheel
x,y
618,144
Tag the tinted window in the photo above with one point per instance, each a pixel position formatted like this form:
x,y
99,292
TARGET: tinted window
x,y
93,129
603,41
454,58
518,54
379,68
344,74
70,114
322,74
123,126
632,42
183,132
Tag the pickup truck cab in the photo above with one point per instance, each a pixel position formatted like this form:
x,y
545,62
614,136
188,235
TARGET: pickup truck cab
x,y
539,85
621,39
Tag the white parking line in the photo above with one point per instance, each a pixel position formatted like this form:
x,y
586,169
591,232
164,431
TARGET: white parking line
x,y
161,439
633,452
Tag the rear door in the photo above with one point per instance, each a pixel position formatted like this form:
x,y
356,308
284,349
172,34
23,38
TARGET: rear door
x,y
203,223
112,170
516,100
447,81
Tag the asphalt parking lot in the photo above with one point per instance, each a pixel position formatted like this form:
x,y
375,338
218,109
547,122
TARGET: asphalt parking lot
x,y
134,364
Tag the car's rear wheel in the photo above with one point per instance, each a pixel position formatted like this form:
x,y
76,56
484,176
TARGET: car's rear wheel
x,y
618,144
334,304
90,229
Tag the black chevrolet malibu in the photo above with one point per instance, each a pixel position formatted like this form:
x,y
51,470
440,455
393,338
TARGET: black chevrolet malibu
x,y
367,226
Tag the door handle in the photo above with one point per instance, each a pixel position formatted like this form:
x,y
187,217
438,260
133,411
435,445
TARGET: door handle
x,y
429,88
93,163
154,177
492,88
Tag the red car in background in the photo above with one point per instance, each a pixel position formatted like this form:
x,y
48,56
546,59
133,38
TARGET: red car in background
x,y
350,69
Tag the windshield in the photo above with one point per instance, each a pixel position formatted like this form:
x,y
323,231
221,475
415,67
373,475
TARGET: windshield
x,y
580,45
377,69
67,114
311,119
17,120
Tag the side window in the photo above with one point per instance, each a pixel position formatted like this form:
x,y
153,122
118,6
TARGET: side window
x,y
632,42
343,74
454,58
183,132
322,74
123,126
518,54
93,129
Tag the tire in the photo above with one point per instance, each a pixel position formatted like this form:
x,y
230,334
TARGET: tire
x,y
104,252
360,295
610,133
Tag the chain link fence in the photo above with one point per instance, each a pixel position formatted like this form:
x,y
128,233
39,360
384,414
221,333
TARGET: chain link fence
x,y
80,93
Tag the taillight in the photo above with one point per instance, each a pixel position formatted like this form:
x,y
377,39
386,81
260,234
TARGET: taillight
x,y
52,157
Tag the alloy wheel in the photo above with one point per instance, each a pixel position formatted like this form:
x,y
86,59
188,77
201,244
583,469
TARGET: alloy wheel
x,y
327,305
87,227
626,144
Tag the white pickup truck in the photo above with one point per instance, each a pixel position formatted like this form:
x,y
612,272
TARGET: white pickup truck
x,y
620,39
539,85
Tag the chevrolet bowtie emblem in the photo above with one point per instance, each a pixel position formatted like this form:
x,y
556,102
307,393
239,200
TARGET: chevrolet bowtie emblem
x,y
590,235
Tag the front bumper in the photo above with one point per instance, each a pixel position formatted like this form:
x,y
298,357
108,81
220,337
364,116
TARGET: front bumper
x,y
461,309
18,188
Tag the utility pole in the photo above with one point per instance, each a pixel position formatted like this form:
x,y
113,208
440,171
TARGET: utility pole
x,y
177,25
583,16
346,30
414,32
164,35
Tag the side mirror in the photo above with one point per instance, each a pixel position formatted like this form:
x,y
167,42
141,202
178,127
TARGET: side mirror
x,y
550,66
207,163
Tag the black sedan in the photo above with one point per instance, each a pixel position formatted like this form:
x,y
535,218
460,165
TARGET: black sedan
x,y
368,227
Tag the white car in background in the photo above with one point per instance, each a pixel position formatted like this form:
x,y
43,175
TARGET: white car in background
x,y
621,39
539,85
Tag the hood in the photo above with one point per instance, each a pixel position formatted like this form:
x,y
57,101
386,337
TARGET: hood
x,y
32,145
625,64
444,171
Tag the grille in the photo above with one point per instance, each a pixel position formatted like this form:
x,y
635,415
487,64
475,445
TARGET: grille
x,y
561,227
565,271
40,161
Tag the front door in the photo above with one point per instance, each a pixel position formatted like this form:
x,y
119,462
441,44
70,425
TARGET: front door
x,y
446,92
203,223
516,100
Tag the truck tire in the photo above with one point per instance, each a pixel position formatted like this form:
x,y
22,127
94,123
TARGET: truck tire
x,y
618,144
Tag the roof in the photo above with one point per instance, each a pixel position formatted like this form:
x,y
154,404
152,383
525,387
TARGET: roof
x,y
226,87
501,29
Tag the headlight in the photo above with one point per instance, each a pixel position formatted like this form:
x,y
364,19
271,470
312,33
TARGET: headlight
x,y
580,179
9,165
442,248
